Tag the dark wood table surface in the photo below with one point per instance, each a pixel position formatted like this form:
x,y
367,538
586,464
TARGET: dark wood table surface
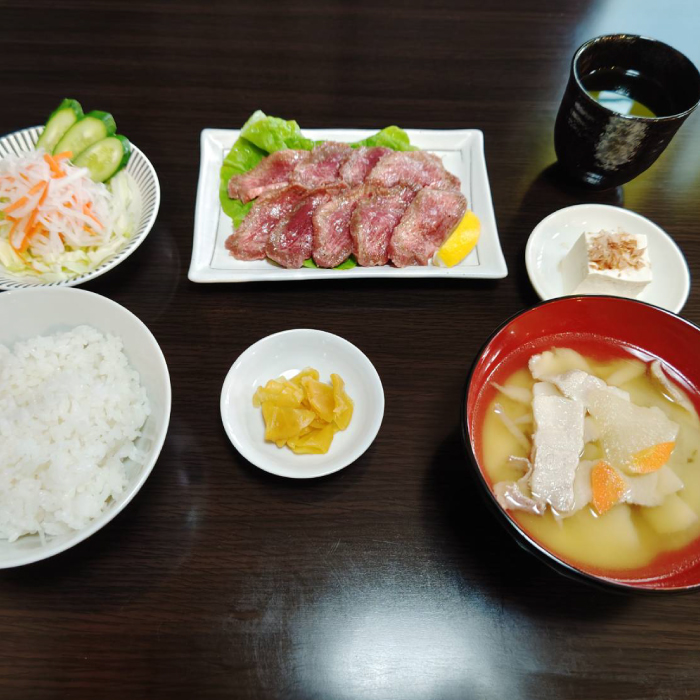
x,y
388,579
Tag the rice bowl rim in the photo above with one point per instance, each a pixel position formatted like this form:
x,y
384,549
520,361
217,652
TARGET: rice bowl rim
x,y
133,487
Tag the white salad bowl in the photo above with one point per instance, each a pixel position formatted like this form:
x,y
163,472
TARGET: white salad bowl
x,y
285,354
148,203
30,312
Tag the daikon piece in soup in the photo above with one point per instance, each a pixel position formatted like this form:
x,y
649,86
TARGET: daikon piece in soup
x,y
596,460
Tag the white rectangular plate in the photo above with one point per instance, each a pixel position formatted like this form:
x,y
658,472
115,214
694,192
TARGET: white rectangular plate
x,y
462,152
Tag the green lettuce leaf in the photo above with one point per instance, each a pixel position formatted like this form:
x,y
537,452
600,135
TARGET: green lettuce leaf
x,y
392,137
274,134
242,157
347,265
262,135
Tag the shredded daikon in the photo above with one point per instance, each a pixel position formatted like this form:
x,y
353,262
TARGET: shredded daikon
x,y
629,371
520,394
55,222
511,427
668,389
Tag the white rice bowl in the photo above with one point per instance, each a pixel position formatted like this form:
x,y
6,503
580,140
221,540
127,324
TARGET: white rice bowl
x,y
70,410
84,409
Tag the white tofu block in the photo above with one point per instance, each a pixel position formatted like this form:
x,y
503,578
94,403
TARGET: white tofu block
x,y
582,276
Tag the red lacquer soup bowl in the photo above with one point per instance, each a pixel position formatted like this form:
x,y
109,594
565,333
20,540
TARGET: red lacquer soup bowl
x,y
603,328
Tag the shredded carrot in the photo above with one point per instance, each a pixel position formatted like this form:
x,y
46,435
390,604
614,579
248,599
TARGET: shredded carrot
x,y
61,156
28,227
17,205
87,212
55,167
32,219
13,229
42,199
37,188
15,225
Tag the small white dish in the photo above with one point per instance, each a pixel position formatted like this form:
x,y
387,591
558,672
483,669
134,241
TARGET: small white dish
x,y
143,173
462,152
555,235
27,313
285,354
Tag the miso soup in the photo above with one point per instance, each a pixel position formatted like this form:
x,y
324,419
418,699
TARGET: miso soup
x,y
631,511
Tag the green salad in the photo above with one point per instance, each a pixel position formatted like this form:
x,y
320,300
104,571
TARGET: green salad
x,y
262,135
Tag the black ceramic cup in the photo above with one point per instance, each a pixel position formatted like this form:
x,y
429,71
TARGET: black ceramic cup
x,y
602,148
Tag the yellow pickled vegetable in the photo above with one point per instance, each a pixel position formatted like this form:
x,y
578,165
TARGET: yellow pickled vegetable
x,y
308,372
304,413
281,392
317,442
320,397
282,423
342,413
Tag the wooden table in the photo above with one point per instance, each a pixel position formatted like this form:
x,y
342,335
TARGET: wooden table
x,y
388,579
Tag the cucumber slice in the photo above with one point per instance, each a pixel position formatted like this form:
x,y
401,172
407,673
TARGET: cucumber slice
x,y
93,127
61,119
104,158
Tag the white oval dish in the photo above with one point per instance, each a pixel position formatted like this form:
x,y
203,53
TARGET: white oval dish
x,y
30,312
140,169
287,353
554,236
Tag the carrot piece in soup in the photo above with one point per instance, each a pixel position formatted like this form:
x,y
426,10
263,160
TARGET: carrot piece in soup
x,y
607,485
652,458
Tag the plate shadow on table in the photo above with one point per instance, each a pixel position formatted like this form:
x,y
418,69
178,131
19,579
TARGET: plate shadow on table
x,y
325,289
493,559
550,191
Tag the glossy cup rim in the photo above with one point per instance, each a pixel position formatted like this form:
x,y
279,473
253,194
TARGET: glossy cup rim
x,y
520,535
631,117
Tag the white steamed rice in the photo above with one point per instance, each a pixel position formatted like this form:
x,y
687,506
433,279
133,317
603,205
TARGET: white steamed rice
x,y
71,408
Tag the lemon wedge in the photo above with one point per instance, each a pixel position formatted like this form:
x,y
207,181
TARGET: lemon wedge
x,y
460,243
